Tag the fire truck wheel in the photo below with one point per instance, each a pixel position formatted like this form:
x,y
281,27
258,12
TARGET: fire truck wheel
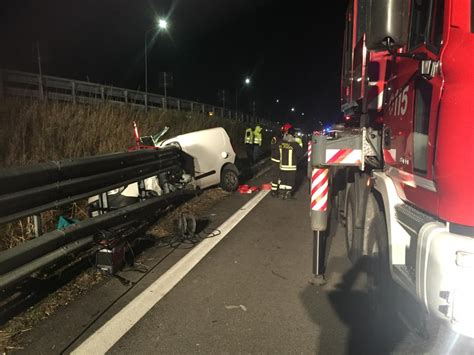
x,y
353,236
380,286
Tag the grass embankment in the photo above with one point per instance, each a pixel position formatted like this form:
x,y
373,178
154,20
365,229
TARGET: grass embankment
x,y
35,131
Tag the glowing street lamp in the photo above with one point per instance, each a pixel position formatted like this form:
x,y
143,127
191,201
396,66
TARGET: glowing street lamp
x,y
292,109
161,24
247,83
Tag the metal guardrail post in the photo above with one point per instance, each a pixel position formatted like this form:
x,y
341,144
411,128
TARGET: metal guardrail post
x,y
163,103
146,102
103,202
178,103
1,84
102,93
192,106
38,226
141,190
125,95
73,91
40,87
203,108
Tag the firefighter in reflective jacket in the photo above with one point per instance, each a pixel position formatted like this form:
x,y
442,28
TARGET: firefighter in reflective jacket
x,y
257,142
248,140
290,153
277,139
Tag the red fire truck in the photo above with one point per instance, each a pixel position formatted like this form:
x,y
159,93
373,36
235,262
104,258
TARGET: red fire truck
x,y
403,181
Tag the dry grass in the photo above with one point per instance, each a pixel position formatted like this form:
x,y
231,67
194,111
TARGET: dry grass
x,y
35,131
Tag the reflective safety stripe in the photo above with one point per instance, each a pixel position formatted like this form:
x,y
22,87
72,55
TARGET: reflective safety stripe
x,y
248,136
276,160
319,189
290,158
285,187
288,167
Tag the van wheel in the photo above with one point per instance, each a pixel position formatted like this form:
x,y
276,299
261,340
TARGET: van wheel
x,y
229,179
353,236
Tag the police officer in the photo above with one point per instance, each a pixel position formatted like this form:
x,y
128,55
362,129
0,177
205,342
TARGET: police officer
x,y
257,142
290,153
248,140
277,139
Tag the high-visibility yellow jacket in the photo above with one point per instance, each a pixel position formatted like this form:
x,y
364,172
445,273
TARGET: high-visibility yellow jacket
x,y
275,148
299,141
248,136
257,135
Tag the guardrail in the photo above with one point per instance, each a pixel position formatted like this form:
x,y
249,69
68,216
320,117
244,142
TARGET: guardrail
x,y
23,84
27,191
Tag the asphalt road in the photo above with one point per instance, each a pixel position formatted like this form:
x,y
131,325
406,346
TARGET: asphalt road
x,y
250,294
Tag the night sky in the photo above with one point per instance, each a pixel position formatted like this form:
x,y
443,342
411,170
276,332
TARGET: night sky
x,y
290,49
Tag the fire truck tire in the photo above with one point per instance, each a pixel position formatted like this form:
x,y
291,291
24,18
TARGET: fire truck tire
x,y
381,288
353,235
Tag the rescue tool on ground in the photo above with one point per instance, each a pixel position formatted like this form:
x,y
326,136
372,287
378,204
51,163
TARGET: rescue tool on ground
x,y
402,179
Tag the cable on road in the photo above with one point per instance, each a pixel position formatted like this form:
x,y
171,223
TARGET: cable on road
x,y
186,236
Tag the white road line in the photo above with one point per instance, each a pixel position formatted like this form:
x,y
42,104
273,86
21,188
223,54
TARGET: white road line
x,y
111,332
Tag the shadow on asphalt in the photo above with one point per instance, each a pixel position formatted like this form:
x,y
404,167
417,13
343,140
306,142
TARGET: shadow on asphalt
x,y
352,307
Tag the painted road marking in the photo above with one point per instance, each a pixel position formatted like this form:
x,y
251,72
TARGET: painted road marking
x,y
111,332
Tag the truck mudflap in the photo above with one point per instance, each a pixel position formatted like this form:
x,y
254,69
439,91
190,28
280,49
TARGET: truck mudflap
x,y
445,276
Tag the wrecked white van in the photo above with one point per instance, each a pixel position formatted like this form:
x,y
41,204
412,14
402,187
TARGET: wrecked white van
x,y
214,164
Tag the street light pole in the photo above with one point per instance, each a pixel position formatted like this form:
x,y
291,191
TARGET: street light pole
x,y
162,24
146,64
236,98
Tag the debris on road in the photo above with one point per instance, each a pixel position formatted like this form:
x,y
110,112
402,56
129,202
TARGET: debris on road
x,y
246,189
241,306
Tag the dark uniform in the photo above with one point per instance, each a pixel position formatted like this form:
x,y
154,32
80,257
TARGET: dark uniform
x,y
290,153
275,161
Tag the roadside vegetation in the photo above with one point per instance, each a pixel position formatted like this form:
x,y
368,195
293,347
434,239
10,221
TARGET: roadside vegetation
x,y
34,131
